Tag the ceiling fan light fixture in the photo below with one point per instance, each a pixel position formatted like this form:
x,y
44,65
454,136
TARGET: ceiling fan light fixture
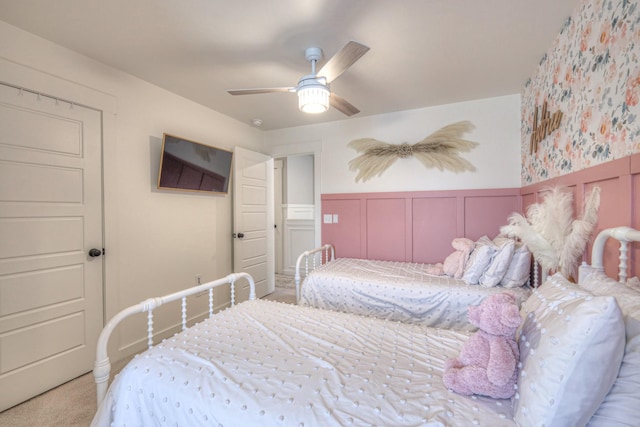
x,y
313,91
313,96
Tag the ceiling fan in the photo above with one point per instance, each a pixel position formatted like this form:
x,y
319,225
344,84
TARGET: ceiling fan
x,y
314,95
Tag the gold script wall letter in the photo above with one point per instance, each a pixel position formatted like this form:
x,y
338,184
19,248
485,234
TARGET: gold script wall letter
x,y
547,124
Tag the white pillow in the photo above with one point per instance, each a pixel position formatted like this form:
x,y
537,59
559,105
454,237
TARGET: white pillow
x,y
519,269
571,346
622,405
634,283
499,263
479,260
628,298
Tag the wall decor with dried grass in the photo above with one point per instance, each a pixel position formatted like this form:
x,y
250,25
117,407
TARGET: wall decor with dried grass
x,y
439,150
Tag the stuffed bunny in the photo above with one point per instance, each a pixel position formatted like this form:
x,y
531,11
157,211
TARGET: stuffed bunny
x,y
453,265
487,364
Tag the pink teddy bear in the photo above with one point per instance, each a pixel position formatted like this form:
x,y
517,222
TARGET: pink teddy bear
x,y
488,361
453,265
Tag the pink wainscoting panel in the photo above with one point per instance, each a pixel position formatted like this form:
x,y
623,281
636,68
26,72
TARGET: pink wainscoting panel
x,y
346,234
435,225
634,192
528,199
386,237
391,226
634,164
484,215
634,250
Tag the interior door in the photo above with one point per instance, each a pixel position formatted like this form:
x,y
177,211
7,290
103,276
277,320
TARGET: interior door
x,y
278,164
50,218
253,215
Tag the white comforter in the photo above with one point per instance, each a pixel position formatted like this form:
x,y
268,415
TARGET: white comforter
x,y
265,363
396,291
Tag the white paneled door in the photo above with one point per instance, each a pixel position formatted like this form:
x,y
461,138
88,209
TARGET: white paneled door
x,y
253,215
50,219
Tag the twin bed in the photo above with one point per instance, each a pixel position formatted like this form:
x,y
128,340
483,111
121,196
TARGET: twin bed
x,y
403,291
268,363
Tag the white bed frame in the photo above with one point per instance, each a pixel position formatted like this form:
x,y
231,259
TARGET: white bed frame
x,y
102,367
622,234
319,256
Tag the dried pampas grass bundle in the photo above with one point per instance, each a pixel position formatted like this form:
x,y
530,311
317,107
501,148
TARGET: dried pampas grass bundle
x,y
438,150
552,235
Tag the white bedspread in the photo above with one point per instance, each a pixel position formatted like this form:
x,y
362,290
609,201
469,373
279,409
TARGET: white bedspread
x,y
265,363
396,291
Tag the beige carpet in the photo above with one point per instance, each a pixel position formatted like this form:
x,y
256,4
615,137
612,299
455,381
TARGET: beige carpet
x,y
285,290
74,403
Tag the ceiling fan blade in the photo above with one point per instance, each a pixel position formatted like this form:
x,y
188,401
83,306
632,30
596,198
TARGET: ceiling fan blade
x,y
261,90
342,60
342,105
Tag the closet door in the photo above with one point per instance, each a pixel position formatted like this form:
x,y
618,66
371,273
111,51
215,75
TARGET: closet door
x,y
50,220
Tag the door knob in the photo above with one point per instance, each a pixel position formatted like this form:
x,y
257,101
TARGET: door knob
x,y
94,252
240,235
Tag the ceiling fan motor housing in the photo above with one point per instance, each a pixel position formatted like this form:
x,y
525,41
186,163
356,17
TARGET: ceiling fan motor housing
x,y
312,81
313,54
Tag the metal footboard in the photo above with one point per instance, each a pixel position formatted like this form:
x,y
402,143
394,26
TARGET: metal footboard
x,y
102,367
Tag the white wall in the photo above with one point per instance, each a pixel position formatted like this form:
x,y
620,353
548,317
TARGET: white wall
x,y
497,158
156,241
300,179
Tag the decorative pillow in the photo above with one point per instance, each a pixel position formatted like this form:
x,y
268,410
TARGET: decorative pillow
x,y
622,405
478,260
499,263
571,346
519,269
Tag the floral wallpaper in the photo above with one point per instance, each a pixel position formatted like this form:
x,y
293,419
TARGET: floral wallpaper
x,y
592,74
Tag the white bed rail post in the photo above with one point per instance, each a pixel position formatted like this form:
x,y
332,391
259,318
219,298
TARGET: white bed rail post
x,y
624,235
102,366
329,255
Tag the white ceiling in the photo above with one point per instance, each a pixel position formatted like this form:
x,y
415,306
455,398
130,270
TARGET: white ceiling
x,y
423,52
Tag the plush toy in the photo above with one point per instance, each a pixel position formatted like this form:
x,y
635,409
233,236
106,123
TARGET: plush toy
x,y
453,265
487,364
